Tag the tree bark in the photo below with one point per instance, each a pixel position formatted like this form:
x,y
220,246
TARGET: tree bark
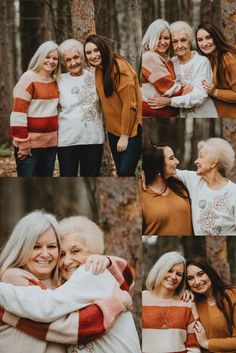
x,y
82,15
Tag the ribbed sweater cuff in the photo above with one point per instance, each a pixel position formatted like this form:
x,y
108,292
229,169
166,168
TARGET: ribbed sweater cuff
x,y
111,307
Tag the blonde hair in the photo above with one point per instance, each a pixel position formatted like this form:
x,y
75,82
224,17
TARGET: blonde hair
x,y
70,44
88,230
160,269
220,150
23,238
152,34
41,53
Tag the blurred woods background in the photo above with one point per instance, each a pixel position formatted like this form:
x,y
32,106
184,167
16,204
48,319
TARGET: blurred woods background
x,y
181,134
219,251
25,24
113,203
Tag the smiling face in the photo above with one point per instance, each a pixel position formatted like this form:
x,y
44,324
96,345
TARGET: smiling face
x,y
181,44
73,61
44,256
163,43
170,162
205,42
172,279
198,281
49,63
93,54
73,253
204,163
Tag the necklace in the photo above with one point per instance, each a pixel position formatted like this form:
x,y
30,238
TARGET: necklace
x,y
164,315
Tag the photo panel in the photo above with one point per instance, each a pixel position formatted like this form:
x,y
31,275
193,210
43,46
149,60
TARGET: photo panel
x,y
111,203
188,275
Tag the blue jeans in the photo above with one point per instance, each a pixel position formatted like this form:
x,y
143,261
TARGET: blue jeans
x,y
87,157
127,160
40,164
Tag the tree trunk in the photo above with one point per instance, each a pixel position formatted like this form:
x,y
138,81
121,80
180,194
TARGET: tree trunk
x,y
82,15
119,215
216,253
7,62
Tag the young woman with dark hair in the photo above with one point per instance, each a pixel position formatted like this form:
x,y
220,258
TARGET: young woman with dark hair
x,y
212,43
215,301
165,200
120,96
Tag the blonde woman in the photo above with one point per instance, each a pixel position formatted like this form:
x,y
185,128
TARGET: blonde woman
x,y
167,321
30,259
34,120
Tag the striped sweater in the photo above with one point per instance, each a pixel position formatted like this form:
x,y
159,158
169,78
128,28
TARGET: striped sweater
x,y
158,79
83,326
34,119
178,317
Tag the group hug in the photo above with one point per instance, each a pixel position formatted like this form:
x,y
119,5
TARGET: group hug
x,y
187,307
199,83
59,294
67,115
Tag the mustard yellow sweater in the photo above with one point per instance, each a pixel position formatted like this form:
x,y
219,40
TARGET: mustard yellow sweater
x,y
123,110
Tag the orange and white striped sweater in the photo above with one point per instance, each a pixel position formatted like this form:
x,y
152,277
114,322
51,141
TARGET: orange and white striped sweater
x,y
34,118
167,325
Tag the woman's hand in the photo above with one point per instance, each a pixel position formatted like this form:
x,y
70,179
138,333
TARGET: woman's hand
x,y
187,89
158,102
122,143
187,295
23,153
97,263
200,334
210,88
123,297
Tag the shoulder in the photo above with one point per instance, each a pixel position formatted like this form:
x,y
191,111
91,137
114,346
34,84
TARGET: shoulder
x,y
232,294
201,59
17,276
150,56
27,78
232,185
229,57
124,66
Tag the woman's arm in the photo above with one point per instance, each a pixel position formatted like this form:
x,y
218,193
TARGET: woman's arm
x,y
18,119
198,95
80,290
191,343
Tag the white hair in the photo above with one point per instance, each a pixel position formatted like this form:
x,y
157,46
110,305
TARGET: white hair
x,y
23,238
41,53
70,44
152,34
87,230
182,26
220,150
161,268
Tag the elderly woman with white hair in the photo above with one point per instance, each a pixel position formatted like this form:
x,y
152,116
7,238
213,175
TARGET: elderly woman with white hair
x,y
80,237
190,69
34,119
167,321
212,194
81,133
158,74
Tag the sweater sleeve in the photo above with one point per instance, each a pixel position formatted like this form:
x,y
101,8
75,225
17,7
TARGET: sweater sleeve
x,y
227,344
127,91
82,289
198,95
192,345
157,72
122,272
229,95
79,327
18,119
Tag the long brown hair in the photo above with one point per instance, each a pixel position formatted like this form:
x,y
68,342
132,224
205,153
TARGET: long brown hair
x,y
110,67
222,48
219,287
153,164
